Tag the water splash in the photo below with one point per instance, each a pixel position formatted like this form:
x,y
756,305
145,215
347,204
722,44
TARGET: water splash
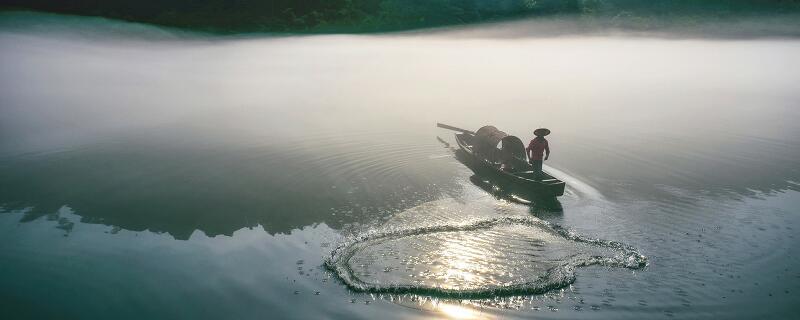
x,y
481,258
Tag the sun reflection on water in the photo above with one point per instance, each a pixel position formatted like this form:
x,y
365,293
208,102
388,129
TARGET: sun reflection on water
x,y
461,269
454,311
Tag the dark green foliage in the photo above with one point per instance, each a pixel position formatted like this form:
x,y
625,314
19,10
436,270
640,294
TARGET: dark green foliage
x,y
382,15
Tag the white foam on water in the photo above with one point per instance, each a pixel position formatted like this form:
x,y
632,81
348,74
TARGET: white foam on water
x,y
480,258
585,190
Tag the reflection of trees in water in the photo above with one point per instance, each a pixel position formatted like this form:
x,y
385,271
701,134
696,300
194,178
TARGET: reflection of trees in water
x,y
180,191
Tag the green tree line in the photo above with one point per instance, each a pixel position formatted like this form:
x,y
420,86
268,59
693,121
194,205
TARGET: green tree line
x,y
382,15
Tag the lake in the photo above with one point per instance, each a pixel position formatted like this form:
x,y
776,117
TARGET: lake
x,y
151,173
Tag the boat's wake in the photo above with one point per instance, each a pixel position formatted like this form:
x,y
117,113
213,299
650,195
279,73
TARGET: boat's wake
x,y
475,259
575,184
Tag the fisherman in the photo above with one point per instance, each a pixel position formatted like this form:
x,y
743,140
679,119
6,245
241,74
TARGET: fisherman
x,y
538,146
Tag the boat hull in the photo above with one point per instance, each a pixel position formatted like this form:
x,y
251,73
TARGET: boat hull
x,y
523,180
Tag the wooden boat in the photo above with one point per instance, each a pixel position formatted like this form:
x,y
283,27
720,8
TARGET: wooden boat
x,y
487,149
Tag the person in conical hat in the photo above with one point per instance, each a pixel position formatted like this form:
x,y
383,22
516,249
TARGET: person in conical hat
x,y
537,148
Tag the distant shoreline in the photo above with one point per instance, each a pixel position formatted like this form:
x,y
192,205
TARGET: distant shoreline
x,y
380,16
785,26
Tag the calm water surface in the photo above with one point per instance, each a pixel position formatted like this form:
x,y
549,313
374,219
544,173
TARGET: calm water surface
x,y
149,175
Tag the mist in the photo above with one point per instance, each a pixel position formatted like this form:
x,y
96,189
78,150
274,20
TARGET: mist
x,y
76,87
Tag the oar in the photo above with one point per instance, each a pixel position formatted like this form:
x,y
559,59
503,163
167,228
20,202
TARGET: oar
x,y
449,127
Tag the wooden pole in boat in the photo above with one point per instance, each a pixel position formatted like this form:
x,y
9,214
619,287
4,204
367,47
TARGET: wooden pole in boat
x,y
449,127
